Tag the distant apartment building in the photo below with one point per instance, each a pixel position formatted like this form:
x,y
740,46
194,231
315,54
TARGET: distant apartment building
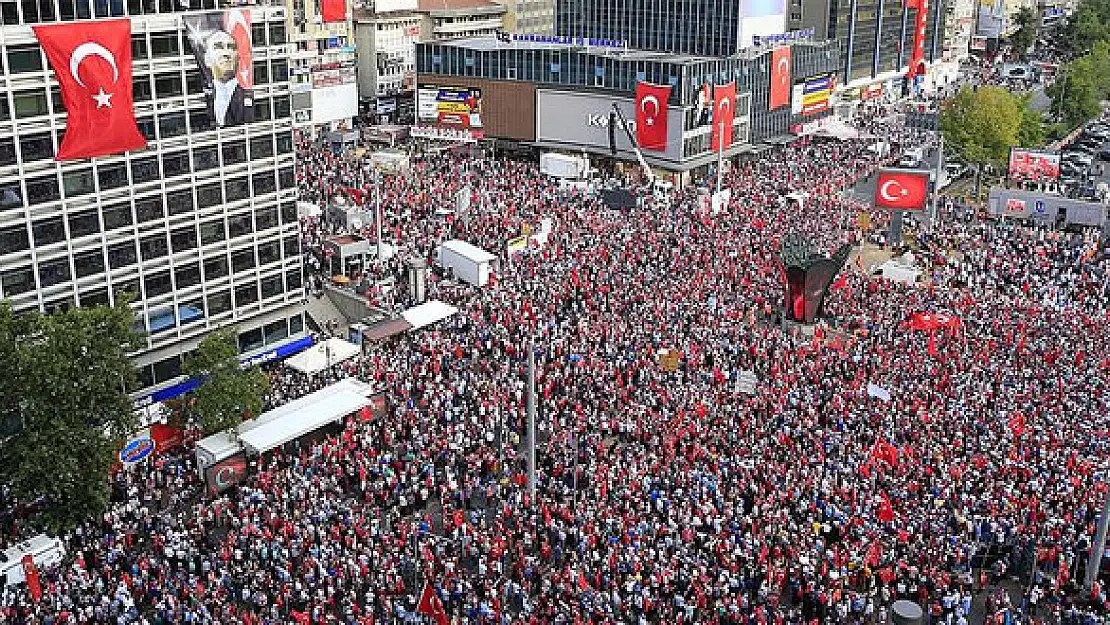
x,y
321,66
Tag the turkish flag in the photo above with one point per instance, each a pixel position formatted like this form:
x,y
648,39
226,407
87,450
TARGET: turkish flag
x,y
780,78
334,10
92,62
885,513
430,605
651,116
902,189
885,452
1017,424
724,105
31,574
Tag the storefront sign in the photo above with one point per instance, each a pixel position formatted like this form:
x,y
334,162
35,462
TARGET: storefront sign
x,y
794,35
136,450
437,133
582,42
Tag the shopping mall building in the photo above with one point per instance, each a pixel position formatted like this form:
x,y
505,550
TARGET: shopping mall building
x,y
557,93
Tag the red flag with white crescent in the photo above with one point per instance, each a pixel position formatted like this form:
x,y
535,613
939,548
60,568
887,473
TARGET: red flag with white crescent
x,y
724,111
651,116
92,62
780,78
902,189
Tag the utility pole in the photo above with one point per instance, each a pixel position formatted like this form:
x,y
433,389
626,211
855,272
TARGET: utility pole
x,y
532,420
1099,546
378,209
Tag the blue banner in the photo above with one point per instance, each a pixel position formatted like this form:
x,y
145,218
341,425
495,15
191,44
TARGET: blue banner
x,y
185,386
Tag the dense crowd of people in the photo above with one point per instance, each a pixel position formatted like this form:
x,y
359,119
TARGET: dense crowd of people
x,y
871,461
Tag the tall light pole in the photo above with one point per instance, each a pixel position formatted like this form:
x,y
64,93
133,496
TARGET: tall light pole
x,y
378,209
720,154
532,420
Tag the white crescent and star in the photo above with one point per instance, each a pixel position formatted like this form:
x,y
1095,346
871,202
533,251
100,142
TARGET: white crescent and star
x,y
85,50
783,68
724,104
885,191
650,117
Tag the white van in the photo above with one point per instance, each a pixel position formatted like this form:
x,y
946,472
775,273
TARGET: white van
x,y
912,157
45,551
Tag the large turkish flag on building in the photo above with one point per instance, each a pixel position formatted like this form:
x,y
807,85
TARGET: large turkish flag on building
x,y
780,77
902,189
651,116
724,105
92,62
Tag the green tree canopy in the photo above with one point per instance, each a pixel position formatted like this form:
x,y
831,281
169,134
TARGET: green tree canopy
x,y
227,392
1082,84
1026,33
65,380
982,125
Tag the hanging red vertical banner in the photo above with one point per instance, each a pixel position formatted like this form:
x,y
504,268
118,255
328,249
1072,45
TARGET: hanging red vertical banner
x,y
917,56
724,111
31,573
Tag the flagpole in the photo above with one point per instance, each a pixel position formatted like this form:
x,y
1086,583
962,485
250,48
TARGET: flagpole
x,y
532,420
720,153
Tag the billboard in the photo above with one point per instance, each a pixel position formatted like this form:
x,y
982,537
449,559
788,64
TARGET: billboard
x,y
460,107
221,43
811,96
761,19
581,121
334,92
1027,164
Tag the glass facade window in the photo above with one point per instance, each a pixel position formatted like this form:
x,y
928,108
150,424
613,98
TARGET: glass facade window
x,y
237,189
88,263
265,217
187,276
212,232
262,147
79,182
263,183
157,284
242,260
183,239
209,195
13,240
43,189
84,223
54,272
122,255
17,281
154,246
30,103
49,231
246,295
149,209
36,147
239,225
215,267
219,303
269,252
112,176
175,164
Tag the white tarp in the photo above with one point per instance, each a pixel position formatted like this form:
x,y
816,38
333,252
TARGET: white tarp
x,y
899,272
304,415
874,390
322,356
428,313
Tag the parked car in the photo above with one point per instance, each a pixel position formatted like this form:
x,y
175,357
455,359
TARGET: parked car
x,y
1104,155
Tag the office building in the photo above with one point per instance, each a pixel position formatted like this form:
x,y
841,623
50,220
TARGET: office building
x,y
702,27
551,95
322,67
529,16
200,227
386,33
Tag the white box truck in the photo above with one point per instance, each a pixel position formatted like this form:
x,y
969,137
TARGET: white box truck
x,y
564,166
44,550
469,263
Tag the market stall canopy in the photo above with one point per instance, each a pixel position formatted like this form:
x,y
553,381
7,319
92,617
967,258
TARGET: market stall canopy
x,y
322,356
428,313
304,415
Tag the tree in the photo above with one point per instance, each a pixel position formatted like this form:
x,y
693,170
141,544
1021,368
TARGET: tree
x,y
982,125
1031,129
1026,32
1083,83
227,392
66,375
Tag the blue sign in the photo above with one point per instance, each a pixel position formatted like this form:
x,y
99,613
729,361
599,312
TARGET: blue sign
x,y
1038,207
587,42
794,35
185,386
136,449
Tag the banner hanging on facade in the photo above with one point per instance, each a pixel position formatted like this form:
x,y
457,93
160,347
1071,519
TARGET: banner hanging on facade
x,y
651,116
221,43
92,62
780,78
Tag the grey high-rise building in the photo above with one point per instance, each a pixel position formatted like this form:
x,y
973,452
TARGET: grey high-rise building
x,y
199,227
701,27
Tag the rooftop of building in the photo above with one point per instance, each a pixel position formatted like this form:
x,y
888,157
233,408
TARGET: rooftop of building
x,y
445,8
599,47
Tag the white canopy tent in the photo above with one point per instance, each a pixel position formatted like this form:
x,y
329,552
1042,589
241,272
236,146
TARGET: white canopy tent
x,y
307,414
323,355
428,313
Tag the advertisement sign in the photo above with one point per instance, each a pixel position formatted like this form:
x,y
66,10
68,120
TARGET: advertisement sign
x,y
1030,164
562,40
459,107
136,450
794,35
872,92
1015,207
578,121
221,43
812,95
978,44
225,474
457,135
334,95
762,19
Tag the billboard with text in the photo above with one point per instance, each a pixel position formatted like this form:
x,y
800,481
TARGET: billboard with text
x,y
460,107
